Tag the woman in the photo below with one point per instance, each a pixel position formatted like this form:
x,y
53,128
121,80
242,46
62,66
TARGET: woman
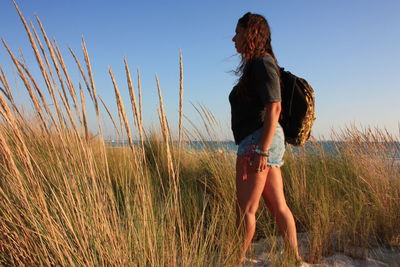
x,y
255,108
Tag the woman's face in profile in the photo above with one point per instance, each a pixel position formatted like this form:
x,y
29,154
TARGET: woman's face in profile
x,y
239,38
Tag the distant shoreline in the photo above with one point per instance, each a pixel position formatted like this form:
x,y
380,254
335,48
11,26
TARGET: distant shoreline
x,y
329,147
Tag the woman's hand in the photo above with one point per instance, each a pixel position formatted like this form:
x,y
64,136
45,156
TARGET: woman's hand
x,y
258,162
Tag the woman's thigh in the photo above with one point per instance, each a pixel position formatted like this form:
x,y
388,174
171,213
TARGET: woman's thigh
x,y
273,193
249,190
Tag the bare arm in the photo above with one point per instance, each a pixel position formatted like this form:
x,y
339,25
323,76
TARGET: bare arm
x,y
271,117
267,85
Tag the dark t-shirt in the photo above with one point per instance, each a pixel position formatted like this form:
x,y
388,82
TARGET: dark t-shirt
x,y
264,88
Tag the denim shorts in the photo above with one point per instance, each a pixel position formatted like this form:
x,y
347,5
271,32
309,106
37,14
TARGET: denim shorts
x,y
276,150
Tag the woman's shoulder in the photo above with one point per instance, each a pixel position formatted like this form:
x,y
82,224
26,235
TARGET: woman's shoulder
x,y
266,63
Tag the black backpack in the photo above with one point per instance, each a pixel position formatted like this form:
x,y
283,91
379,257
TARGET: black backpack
x,y
298,114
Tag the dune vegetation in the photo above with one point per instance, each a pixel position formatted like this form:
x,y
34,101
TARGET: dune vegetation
x,y
69,199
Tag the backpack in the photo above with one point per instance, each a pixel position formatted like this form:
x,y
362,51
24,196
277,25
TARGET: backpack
x,y
297,115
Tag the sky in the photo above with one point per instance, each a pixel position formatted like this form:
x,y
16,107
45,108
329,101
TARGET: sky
x,y
348,50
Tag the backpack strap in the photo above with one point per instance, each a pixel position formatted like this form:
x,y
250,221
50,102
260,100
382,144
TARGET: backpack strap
x,y
291,96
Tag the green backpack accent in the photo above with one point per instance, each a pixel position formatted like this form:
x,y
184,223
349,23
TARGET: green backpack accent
x,y
298,113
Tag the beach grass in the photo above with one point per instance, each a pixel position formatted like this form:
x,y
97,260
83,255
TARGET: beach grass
x,y
68,199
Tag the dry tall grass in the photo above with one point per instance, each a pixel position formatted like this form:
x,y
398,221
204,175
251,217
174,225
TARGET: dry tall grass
x,y
68,199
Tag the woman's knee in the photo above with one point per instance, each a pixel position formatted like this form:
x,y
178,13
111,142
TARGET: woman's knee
x,y
282,211
249,209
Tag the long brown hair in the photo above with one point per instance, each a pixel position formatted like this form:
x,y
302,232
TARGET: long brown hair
x,y
257,44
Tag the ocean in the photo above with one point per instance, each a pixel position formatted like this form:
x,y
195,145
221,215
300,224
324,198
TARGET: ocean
x,y
387,151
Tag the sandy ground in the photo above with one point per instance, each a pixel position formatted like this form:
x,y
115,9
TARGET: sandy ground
x,y
349,257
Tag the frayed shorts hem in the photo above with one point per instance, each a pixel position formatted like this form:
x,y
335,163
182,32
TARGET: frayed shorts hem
x,y
276,165
276,150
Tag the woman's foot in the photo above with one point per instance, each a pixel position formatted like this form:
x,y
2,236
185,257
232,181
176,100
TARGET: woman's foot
x,y
300,263
297,260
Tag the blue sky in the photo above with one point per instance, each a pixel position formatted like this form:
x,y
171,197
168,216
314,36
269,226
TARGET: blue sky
x,y
348,50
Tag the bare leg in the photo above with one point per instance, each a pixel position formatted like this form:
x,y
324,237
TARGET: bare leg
x,y
275,199
248,193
